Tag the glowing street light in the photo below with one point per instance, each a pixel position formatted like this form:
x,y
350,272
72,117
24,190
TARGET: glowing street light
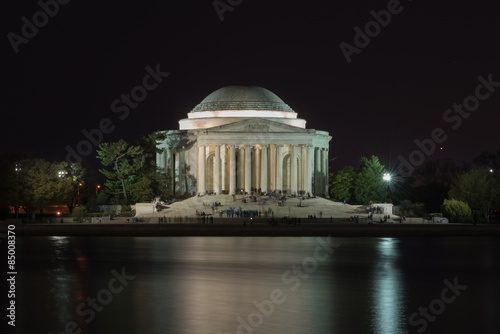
x,y
386,177
96,188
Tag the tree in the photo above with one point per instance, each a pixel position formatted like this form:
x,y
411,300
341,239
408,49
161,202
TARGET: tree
x,y
93,203
141,190
39,185
342,187
480,189
7,187
456,211
125,161
152,182
432,182
134,173
73,174
10,166
369,185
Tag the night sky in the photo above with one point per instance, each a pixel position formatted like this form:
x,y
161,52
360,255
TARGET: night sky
x,y
396,89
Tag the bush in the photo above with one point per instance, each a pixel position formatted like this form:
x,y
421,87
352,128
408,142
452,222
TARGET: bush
x,y
456,211
80,214
93,203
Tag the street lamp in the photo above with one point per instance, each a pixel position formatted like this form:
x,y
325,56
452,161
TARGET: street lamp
x,y
98,187
386,177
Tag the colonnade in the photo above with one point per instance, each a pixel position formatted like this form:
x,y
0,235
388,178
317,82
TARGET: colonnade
x,y
291,169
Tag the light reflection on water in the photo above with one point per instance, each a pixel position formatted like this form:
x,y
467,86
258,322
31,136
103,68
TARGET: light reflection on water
x,y
205,284
388,298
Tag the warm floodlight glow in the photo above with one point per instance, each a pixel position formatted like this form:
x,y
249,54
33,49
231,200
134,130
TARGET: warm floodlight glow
x,y
386,177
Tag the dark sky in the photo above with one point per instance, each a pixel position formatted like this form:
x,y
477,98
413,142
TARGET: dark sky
x,y
394,91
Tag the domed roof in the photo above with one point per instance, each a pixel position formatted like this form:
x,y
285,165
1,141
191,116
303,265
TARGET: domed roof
x,y
242,98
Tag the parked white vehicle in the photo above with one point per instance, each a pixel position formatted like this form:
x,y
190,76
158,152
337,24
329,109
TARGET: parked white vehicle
x,y
442,220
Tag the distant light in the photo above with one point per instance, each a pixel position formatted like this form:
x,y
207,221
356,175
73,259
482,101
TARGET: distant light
x,y
58,213
386,177
491,170
441,148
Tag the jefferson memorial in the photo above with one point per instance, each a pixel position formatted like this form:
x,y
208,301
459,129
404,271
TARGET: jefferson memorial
x,y
243,139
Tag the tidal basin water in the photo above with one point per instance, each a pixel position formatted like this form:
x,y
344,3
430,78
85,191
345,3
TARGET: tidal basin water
x,y
269,285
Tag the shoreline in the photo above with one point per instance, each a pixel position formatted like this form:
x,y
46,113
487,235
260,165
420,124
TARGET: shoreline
x,y
347,230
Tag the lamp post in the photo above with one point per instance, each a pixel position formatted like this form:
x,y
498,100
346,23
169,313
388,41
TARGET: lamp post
x,y
96,188
17,168
78,194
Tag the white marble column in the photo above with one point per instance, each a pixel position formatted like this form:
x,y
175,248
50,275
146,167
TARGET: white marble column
x,y
232,169
166,161
273,161
168,169
162,159
217,170
158,159
201,170
182,181
293,170
248,168
325,171
279,168
223,170
256,167
309,169
302,169
317,171
263,169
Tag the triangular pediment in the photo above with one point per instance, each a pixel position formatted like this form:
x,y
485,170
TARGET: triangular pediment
x,y
259,125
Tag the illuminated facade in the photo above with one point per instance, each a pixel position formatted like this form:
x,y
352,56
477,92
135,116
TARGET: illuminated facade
x,y
244,139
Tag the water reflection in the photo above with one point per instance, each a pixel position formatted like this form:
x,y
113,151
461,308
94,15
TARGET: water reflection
x,y
59,279
205,285
388,296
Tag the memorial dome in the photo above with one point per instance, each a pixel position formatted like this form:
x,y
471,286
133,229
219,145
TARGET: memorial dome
x,y
236,103
242,98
